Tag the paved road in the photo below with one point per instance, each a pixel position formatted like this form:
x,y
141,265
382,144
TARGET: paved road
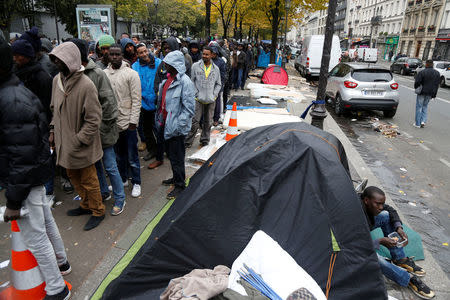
x,y
422,185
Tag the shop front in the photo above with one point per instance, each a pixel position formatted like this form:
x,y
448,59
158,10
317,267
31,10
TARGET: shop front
x,y
442,47
391,44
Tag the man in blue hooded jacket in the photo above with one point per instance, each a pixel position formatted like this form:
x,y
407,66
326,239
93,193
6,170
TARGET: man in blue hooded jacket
x,y
176,104
146,67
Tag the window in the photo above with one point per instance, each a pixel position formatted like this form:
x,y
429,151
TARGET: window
x,y
372,75
343,70
335,70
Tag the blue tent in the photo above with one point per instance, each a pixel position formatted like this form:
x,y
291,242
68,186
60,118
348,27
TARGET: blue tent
x,y
264,59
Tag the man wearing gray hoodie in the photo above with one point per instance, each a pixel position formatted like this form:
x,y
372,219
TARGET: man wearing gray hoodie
x,y
206,78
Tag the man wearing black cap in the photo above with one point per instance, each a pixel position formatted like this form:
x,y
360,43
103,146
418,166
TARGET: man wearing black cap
x,y
25,165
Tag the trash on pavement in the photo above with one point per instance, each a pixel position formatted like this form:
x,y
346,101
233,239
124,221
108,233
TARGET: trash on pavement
x,y
412,203
267,101
217,140
403,170
387,130
4,264
276,92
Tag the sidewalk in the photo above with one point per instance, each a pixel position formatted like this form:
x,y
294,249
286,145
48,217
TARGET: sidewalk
x,y
154,200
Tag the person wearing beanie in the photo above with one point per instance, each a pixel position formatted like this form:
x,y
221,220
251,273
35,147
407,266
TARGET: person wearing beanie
x,y
25,164
75,130
128,50
104,43
109,131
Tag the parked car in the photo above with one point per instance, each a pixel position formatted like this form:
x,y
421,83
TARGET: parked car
x,y
309,59
406,65
446,76
360,86
440,66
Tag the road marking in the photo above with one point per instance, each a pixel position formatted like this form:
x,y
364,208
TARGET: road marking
x,y
445,162
424,147
407,135
436,98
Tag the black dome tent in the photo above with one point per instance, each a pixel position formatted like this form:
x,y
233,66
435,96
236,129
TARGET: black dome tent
x,y
290,180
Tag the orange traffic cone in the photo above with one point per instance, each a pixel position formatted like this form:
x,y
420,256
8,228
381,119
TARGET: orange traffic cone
x,y
232,130
26,277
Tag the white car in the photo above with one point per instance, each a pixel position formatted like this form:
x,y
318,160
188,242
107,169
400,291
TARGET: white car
x,y
442,67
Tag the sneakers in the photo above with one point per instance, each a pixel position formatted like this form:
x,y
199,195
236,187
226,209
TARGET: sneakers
x,y
155,164
78,212
67,186
204,143
136,192
93,222
118,209
422,125
110,188
419,288
409,265
142,147
106,197
65,268
414,124
125,184
175,193
169,181
64,295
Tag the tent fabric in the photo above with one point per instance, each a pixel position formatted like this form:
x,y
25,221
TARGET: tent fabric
x,y
264,59
275,75
290,180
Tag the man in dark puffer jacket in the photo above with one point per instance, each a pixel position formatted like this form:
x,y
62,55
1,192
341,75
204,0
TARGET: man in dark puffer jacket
x,y
24,168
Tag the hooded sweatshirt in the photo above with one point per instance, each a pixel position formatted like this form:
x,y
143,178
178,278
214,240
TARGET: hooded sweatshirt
x,y
77,113
179,100
130,59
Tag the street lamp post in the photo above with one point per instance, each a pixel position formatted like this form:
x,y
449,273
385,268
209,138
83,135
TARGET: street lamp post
x,y
287,6
319,113
155,2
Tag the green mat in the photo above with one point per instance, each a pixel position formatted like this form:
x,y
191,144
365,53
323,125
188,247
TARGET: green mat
x,y
414,247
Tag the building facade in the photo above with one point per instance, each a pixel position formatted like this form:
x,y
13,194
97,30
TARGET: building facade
x,y
420,27
442,45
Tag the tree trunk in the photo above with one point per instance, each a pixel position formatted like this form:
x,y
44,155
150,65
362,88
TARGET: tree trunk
x,y
225,31
240,29
235,25
275,22
208,19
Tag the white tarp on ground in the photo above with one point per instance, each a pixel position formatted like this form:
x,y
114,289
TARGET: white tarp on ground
x,y
277,92
217,140
277,268
267,101
251,118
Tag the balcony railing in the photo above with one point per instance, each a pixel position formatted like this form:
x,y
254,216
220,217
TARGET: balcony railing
x,y
405,30
421,29
418,2
340,17
410,3
431,28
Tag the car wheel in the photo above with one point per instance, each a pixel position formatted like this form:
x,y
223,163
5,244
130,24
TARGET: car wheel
x,y
402,71
338,107
442,81
389,113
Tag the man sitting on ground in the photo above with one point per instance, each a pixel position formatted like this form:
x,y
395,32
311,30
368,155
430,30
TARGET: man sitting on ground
x,y
381,215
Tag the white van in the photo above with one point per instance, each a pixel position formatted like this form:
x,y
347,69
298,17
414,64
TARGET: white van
x,y
368,54
310,58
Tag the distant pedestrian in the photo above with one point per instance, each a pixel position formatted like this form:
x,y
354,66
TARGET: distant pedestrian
x,y
146,67
173,118
207,81
77,115
25,165
426,85
127,88
391,54
219,62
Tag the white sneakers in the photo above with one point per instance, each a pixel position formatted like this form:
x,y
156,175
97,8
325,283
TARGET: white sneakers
x,y
136,192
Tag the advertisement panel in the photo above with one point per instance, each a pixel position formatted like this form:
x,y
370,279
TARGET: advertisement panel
x,y
94,21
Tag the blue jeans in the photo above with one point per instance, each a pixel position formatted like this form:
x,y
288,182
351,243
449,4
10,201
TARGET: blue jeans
x,y
110,164
421,109
128,156
391,271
